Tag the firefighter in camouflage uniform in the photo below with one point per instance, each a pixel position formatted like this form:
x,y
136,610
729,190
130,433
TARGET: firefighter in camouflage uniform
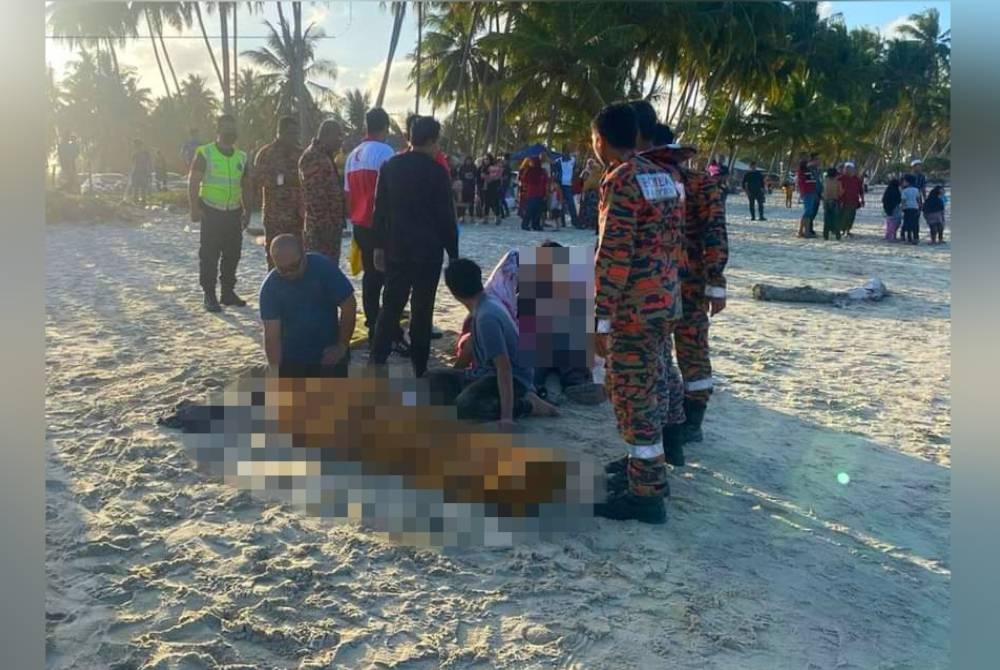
x,y
637,299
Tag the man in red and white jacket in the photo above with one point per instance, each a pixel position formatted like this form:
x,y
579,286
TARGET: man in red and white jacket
x,y
360,177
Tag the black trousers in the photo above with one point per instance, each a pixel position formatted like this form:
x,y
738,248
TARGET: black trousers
x,y
758,199
477,400
401,279
372,280
911,224
221,243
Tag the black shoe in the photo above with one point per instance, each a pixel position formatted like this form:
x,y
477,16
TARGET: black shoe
x,y
695,412
618,483
763,219
230,299
752,218
401,348
211,303
617,467
624,506
673,444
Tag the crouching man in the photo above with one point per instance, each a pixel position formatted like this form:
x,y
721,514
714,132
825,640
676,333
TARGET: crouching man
x,y
496,387
308,309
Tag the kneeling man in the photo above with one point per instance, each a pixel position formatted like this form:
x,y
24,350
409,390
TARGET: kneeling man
x,y
304,335
497,387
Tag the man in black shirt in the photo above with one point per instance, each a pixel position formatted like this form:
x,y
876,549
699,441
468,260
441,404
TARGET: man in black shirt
x,y
414,223
753,186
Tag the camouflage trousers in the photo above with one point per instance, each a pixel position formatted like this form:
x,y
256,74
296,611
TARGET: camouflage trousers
x,y
635,374
670,389
691,343
325,239
272,228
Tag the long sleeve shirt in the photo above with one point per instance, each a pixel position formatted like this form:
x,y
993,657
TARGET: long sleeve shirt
x,y
321,189
636,264
414,215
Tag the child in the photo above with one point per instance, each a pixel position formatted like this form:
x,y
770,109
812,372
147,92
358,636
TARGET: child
x,y
555,205
891,201
934,214
831,204
911,210
789,188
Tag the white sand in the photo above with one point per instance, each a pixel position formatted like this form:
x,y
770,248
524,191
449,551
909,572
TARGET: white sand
x,y
766,561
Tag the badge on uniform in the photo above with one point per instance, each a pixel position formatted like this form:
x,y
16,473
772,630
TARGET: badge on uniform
x,y
658,187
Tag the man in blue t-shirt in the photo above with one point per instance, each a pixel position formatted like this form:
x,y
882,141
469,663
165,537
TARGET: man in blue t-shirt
x,y
497,387
304,336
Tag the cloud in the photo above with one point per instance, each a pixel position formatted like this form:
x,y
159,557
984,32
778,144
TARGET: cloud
x,y
825,9
399,95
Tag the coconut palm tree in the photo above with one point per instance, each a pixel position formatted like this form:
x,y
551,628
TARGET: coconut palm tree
x,y
93,24
283,59
353,107
398,10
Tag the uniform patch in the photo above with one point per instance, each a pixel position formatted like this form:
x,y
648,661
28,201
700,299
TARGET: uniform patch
x,y
657,187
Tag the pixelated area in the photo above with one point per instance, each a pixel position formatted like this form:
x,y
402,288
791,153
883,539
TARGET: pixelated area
x,y
379,451
555,306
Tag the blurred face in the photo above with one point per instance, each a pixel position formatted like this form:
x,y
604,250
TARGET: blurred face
x,y
290,132
227,132
289,263
600,146
333,138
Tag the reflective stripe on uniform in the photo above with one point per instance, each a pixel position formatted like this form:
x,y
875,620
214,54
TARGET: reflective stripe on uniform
x,y
645,451
715,292
699,385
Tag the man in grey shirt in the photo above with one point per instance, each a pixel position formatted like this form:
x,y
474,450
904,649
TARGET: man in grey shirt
x,y
497,387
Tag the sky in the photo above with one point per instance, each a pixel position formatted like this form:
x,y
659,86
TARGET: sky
x,y
358,37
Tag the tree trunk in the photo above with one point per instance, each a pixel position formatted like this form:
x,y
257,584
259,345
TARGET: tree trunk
x,y
166,57
227,93
670,96
722,125
465,57
420,42
399,11
236,69
114,57
305,129
208,44
652,87
156,51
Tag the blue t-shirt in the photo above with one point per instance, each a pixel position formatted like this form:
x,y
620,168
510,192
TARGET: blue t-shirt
x,y
493,333
306,308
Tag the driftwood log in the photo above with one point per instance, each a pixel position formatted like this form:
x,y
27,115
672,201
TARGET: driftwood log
x,y
873,290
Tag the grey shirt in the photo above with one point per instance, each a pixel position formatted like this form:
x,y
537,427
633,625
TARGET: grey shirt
x,y
494,333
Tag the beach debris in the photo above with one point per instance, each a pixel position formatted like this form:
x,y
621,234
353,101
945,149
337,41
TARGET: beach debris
x,y
873,290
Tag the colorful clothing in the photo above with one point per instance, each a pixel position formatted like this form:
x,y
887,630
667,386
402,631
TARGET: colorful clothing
x,y
324,202
360,177
276,173
636,269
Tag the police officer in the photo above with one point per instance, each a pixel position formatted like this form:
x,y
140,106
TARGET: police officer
x,y
217,185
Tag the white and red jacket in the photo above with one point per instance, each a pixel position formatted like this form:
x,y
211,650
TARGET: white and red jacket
x,y
360,176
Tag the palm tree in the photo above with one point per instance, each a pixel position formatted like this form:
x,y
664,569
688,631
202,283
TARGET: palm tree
x,y
352,111
93,23
283,58
398,10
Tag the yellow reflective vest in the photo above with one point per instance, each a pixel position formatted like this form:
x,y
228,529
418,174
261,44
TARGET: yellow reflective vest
x,y
220,187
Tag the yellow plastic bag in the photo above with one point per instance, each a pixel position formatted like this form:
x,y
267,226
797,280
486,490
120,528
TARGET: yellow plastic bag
x,y
355,258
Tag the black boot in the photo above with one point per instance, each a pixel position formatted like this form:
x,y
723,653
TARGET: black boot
x,y
618,483
673,444
230,299
695,411
617,467
622,506
211,302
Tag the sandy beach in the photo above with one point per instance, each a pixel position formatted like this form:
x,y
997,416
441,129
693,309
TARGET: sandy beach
x,y
767,560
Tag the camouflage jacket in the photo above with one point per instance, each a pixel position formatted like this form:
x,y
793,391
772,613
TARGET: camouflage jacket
x,y
706,242
636,264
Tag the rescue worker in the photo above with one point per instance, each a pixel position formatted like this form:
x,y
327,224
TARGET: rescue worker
x,y
218,185
276,177
323,192
637,296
